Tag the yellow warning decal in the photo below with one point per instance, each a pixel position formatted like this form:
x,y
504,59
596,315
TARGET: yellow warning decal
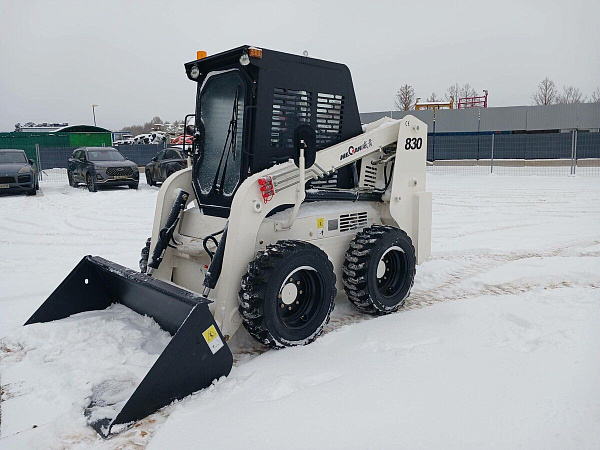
x,y
320,222
210,334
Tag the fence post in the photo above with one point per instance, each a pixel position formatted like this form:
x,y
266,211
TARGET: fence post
x,y
572,150
39,162
575,153
492,159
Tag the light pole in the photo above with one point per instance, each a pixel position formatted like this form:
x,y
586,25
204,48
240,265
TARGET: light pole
x,y
94,113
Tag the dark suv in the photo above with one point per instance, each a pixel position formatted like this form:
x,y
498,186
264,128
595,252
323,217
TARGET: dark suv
x,y
165,163
101,166
17,172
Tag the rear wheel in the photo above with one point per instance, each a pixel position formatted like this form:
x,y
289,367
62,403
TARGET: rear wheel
x,y
287,294
149,179
379,269
91,183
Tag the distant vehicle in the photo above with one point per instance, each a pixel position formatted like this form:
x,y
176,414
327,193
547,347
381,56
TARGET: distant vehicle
x,y
155,137
101,166
17,173
179,140
158,137
128,141
143,139
164,164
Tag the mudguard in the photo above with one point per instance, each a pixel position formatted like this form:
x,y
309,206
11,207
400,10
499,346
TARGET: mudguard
x,y
192,360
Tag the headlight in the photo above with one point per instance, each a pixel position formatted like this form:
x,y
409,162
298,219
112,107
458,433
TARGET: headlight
x,y
194,72
25,169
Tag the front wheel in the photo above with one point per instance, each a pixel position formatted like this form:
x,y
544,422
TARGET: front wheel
x,y
91,183
133,186
287,294
379,269
149,179
72,181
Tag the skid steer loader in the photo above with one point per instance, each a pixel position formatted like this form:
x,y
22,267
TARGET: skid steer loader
x,y
288,201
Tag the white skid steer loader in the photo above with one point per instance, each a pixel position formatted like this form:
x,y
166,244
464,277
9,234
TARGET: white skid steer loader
x,y
287,201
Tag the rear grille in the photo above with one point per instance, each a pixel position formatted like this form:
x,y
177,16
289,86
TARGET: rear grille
x,y
290,109
24,178
353,220
4,180
119,171
330,113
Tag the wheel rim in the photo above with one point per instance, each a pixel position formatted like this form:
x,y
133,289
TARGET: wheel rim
x,y
299,297
391,272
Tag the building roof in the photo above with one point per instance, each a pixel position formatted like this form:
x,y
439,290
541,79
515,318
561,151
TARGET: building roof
x,y
81,129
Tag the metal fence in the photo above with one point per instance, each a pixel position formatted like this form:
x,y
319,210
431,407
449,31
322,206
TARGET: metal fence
x,y
572,153
53,161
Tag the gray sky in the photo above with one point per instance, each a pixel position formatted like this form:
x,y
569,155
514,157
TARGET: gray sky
x,y
58,58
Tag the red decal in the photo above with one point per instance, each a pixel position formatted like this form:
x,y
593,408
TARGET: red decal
x,y
266,188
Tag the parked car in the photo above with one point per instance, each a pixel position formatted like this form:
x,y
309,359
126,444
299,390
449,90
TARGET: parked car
x,y
101,166
164,164
17,173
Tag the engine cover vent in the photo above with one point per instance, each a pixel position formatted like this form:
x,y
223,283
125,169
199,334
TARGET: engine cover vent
x,y
353,221
370,179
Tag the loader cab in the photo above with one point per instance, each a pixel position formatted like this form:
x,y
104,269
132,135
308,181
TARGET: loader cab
x,y
249,102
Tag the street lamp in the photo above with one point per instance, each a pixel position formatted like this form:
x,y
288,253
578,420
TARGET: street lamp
x,y
94,113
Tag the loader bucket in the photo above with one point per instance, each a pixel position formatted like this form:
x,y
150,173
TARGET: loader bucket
x,y
188,363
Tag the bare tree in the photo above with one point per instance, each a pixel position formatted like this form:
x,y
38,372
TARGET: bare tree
x,y
453,93
433,98
546,93
405,98
595,96
467,91
570,94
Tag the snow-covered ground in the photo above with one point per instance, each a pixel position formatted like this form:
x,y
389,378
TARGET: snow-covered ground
x,y
498,346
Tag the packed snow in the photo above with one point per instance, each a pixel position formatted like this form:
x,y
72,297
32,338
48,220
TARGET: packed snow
x,y
497,346
91,362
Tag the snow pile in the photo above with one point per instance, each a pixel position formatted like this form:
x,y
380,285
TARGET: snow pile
x,y
88,365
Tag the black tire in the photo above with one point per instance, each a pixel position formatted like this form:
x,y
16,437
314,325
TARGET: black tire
x,y
133,186
91,183
379,270
72,181
299,271
37,185
169,173
32,192
149,179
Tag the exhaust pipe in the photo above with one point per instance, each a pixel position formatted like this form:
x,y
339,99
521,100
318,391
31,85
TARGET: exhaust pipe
x,y
195,357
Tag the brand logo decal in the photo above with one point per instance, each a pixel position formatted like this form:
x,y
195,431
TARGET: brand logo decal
x,y
353,150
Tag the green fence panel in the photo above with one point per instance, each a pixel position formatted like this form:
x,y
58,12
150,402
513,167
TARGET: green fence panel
x,y
27,141
90,139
